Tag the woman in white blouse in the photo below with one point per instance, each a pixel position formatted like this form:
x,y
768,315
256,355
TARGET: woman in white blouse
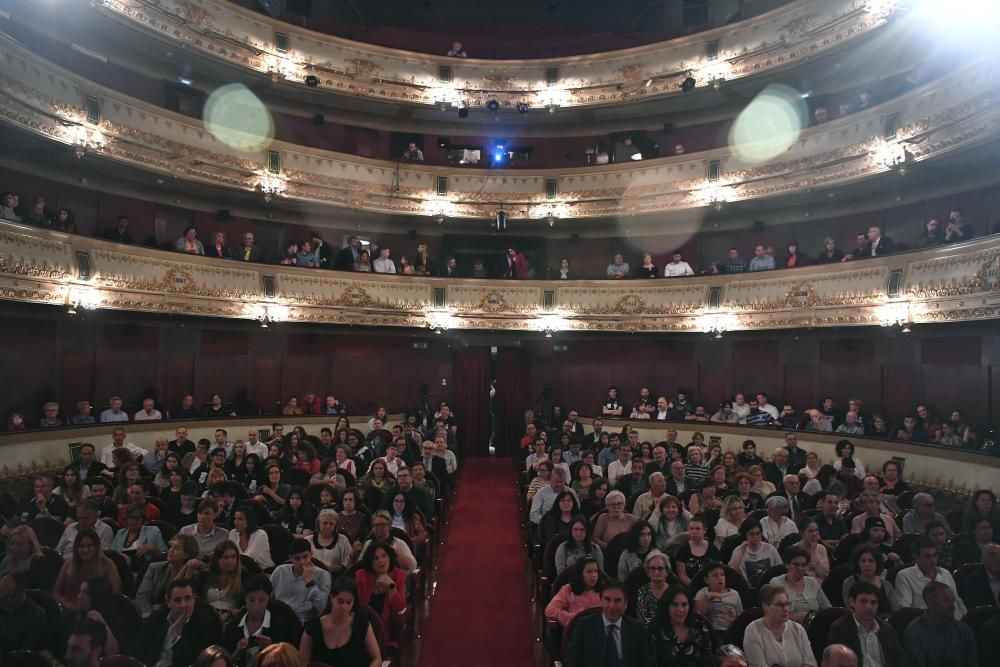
x,y
776,525
249,539
329,547
774,640
845,450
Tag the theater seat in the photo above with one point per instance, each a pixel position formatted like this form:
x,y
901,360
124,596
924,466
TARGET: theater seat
x,y
25,659
902,617
279,539
833,585
283,611
55,627
818,628
769,574
120,661
613,553
985,623
124,571
129,622
739,627
963,575
167,530
47,530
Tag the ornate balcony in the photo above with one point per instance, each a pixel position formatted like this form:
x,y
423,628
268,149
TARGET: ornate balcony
x,y
958,282
240,37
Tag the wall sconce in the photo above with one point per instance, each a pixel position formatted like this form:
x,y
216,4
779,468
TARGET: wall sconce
x,y
280,67
549,212
898,314
82,297
715,72
890,155
266,313
717,324
270,185
440,320
550,323
715,194
84,139
439,209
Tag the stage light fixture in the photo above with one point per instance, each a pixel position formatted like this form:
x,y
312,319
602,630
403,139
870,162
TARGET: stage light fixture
x,y
493,105
312,80
500,154
688,84
522,107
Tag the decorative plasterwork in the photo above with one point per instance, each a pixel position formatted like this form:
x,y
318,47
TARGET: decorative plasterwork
x,y
853,294
955,112
242,38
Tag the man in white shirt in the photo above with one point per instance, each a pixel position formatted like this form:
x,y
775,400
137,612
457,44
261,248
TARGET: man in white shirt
x,y
117,442
546,496
254,445
536,456
87,518
441,449
645,503
204,531
910,582
383,264
114,413
148,412
764,406
678,267
222,440
621,466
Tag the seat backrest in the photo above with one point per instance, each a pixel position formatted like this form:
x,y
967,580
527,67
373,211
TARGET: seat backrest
x,y
549,555
124,571
787,541
613,553
112,524
902,617
25,659
130,622
842,554
962,576
568,632
769,574
260,512
739,627
46,569
818,629
905,500
377,628
167,529
904,547
279,539
833,584
250,565
314,490
120,661
286,613
297,477
566,576
47,530
54,630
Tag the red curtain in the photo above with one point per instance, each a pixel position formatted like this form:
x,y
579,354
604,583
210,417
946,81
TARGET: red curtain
x,y
512,399
472,400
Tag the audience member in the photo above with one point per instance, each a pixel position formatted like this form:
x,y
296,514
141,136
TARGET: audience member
x,y
911,581
175,635
938,637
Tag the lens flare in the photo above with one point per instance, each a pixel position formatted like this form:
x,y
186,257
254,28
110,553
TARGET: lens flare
x,y
237,118
769,125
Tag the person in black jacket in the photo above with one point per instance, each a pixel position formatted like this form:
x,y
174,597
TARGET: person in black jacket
x,y
978,591
247,634
593,637
322,250
175,635
348,255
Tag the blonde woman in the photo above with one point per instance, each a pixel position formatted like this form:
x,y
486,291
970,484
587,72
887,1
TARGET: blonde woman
x,y
733,516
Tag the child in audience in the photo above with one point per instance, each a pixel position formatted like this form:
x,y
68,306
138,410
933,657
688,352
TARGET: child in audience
x,y
720,605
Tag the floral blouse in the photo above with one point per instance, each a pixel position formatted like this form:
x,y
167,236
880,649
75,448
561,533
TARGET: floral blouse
x,y
645,604
697,651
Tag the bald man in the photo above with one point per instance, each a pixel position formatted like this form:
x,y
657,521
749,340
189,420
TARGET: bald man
x,y
838,655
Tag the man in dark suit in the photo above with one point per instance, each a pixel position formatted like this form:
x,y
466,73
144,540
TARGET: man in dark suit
x,y
348,255
118,233
324,253
777,468
610,639
249,251
979,590
877,245
677,481
435,465
176,634
863,602
791,490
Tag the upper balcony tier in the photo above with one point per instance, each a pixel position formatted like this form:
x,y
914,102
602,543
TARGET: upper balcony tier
x,y
515,29
958,282
297,58
934,120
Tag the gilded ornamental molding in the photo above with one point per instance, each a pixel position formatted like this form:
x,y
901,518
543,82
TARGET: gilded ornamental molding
x,y
944,284
245,39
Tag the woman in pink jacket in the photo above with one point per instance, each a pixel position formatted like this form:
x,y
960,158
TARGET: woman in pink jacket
x,y
582,593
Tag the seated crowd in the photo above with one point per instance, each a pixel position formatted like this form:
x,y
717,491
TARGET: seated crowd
x,y
371,257
162,552
795,560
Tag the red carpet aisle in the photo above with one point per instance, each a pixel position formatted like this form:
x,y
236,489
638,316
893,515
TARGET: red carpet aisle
x,y
480,615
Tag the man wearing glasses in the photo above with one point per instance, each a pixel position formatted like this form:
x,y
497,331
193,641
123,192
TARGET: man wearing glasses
x,y
249,251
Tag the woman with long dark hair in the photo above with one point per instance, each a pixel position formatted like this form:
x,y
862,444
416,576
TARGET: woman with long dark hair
x,y
578,546
382,586
87,561
221,585
296,515
638,545
344,636
583,592
249,538
681,638
558,518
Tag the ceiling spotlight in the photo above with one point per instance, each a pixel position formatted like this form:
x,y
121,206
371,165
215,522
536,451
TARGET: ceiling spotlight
x,y
522,107
312,80
493,105
688,84
649,82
